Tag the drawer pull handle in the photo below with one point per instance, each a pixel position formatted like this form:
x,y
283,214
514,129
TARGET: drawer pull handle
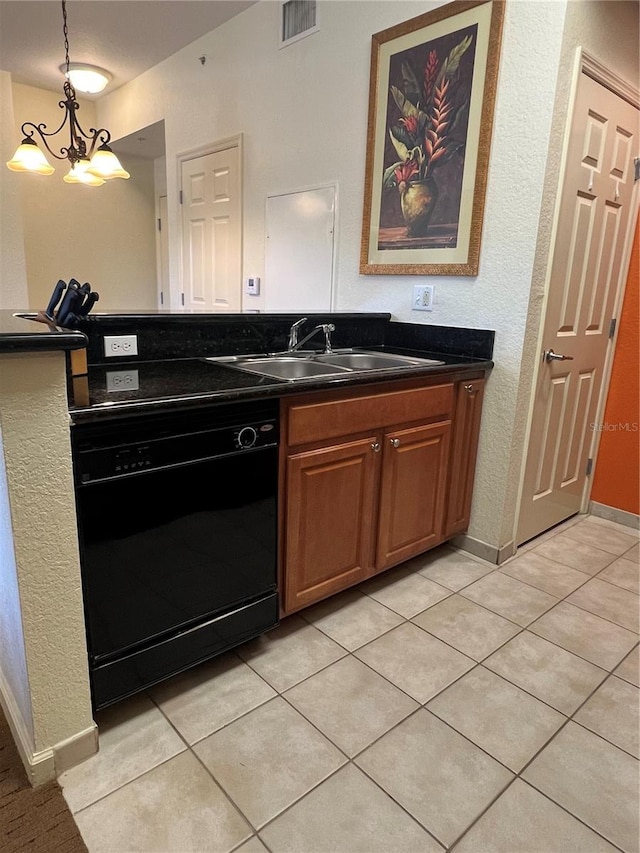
x,y
395,442
376,447
469,389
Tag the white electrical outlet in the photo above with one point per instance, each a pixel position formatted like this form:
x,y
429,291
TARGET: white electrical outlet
x,y
253,286
120,345
122,380
423,297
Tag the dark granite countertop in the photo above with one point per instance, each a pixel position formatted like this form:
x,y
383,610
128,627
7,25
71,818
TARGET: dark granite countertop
x,y
192,382
19,334
171,370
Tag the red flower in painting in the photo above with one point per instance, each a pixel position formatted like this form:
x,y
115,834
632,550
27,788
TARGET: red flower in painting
x,y
404,172
410,123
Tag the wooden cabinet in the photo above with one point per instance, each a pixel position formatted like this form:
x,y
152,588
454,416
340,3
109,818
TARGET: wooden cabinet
x,y
468,411
369,478
412,492
329,507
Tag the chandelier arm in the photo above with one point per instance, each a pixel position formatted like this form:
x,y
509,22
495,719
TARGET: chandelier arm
x,y
102,134
39,129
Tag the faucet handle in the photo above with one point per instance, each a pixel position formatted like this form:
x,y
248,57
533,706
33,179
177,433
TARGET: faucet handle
x,y
293,332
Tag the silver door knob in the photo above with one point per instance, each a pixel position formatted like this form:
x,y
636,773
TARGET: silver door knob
x,y
550,355
376,447
395,442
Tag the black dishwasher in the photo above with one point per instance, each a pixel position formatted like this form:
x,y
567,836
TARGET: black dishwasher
x,y
177,533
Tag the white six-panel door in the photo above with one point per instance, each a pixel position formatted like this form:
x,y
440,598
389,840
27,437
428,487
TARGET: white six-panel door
x,y
211,232
596,204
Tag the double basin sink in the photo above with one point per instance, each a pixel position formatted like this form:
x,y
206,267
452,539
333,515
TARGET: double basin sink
x,y
293,366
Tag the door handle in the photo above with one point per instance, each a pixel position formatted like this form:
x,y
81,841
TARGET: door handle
x,y
550,355
395,442
375,446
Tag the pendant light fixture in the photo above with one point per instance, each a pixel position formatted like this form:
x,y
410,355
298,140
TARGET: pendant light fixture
x,y
92,162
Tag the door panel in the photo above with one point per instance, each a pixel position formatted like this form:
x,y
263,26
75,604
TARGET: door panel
x,y
299,250
211,217
596,206
412,503
329,548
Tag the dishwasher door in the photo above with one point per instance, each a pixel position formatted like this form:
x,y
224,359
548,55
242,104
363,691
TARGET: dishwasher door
x,y
177,532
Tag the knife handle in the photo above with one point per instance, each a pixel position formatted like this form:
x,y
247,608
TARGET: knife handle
x,y
58,290
88,304
68,302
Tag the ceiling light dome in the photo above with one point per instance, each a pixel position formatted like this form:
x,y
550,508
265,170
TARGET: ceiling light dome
x,y
86,78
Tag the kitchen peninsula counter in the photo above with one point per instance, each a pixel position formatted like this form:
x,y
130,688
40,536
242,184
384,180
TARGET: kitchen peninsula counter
x,y
20,333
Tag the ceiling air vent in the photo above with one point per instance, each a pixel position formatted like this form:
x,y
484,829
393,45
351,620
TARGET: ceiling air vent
x,y
299,19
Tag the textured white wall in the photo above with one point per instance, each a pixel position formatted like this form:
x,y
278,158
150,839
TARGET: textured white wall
x,y
13,660
35,434
13,274
104,235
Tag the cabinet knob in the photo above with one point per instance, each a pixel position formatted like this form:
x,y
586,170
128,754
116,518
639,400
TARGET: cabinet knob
x,y
395,442
376,447
469,389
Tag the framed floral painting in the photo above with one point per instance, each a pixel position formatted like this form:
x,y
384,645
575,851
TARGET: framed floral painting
x,y
431,100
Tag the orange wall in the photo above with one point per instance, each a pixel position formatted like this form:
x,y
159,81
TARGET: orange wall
x,y
617,475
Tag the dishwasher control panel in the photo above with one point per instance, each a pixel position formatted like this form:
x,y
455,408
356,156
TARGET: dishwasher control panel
x,y
103,452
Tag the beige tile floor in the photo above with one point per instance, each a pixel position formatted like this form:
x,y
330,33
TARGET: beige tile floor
x,y
445,705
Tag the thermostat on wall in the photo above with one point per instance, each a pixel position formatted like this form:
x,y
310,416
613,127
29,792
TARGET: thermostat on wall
x,y
253,286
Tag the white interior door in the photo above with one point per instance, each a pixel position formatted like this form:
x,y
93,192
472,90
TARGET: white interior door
x,y
211,232
300,250
597,203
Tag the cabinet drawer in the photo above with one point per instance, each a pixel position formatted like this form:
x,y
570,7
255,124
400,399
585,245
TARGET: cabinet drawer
x,y
318,421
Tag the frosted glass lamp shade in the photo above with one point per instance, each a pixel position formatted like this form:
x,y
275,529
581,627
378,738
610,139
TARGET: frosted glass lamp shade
x,y
29,158
78,174
104,164
86,78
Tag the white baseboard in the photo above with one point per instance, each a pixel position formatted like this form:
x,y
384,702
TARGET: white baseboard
x,y
611,513
74,750
46,764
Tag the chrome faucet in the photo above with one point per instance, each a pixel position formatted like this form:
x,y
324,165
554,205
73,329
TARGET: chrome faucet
x,y
327,328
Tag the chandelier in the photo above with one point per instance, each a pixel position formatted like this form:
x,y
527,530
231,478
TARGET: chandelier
x,y
92,160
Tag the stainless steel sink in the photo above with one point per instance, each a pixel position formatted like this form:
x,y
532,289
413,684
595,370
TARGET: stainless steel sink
x,y
298,365
282,367
373,360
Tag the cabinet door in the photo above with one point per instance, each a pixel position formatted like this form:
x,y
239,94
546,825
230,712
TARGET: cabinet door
x,y
330,518
412,495
463,456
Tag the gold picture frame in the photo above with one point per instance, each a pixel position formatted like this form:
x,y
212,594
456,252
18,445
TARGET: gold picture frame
x,y
431,101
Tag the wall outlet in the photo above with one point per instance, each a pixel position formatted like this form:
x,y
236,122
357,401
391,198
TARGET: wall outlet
x,y
423,297
253,286
120,345
122,380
